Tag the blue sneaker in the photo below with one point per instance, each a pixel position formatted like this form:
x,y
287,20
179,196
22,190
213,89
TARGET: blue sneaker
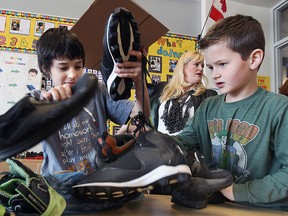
x,y
121,36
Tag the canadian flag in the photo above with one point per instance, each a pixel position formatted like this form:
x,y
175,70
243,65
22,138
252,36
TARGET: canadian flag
x,y
217,9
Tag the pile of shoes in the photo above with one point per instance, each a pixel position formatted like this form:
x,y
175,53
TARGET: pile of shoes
x,y
154,160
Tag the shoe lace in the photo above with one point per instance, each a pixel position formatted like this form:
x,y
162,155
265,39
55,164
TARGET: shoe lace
x,y
139,120
144,68
141,124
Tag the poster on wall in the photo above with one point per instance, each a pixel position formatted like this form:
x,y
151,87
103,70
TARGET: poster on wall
x,y
264,82
19,73
19,31
164,54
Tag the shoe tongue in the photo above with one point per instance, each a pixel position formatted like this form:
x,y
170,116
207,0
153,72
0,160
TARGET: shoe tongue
x,y
153,139
144,139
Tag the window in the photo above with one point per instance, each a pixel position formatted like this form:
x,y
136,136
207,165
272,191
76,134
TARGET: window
x,y
280,18
284,23
284,61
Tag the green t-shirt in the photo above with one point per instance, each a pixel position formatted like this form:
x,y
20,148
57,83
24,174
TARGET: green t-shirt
x,y
250,139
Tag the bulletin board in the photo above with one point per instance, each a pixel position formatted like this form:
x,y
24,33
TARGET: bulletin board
x,y
19,72
164,54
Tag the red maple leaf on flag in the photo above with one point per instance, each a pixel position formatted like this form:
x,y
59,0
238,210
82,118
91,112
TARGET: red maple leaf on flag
x,y
217,14
224,6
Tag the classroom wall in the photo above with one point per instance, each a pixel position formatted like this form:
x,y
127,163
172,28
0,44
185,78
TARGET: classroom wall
x,y
179,16
183,17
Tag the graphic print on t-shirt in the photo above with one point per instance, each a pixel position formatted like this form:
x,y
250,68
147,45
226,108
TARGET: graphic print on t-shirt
x,y
228,140
77,151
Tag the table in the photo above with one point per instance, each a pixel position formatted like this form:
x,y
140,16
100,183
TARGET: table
x,y
160,205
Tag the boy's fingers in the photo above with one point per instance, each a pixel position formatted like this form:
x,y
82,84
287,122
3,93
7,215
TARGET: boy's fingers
x,y
57,93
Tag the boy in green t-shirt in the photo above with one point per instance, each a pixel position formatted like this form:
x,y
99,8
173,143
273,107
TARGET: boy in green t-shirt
x,y
244,130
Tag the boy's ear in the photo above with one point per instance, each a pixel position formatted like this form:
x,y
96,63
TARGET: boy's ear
x,y
256,58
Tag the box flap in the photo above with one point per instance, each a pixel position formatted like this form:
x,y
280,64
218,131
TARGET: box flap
x,y
90,27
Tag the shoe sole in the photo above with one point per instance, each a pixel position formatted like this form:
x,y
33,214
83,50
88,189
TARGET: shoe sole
x,y
157,177
120,51
190,204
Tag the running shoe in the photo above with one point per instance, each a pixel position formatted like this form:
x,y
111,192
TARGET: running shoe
x,y
155,160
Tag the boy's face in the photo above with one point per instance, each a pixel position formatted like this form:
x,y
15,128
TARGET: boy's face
x,y
66,71
229,72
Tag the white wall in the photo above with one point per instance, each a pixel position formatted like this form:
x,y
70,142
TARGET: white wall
x,y
182,16
63,8
179,16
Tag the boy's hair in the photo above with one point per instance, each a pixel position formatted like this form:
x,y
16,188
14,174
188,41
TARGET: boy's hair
x,y
243,34
56,43
175,86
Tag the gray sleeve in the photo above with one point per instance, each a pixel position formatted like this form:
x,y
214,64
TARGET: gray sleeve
x,y
117,111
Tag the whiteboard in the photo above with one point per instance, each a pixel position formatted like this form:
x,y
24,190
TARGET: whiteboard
x,y
19,73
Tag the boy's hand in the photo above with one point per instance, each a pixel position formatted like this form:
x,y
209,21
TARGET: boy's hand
x,y
131,69
57,93
228,193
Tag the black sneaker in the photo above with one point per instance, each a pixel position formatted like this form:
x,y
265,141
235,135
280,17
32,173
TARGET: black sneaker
x,y
215,178
192,194
121,35
196,193
112,147
24,192
156,159
212,179
203,187
30,121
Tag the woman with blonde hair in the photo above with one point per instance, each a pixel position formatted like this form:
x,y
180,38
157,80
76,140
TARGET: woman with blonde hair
x,y
173,105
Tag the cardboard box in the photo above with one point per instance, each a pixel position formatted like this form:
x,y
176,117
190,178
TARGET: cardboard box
x,y
90,27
